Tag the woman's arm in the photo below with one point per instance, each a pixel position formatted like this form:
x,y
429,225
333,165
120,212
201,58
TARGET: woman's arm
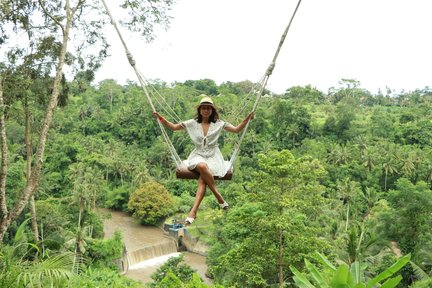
x,y
238,128
172,126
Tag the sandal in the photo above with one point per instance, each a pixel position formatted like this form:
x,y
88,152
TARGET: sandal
x,y
224,206
189,220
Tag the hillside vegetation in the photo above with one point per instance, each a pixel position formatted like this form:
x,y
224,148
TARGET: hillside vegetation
x,y
344,176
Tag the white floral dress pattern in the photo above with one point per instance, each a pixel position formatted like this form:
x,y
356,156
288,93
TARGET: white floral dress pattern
x,y
206,146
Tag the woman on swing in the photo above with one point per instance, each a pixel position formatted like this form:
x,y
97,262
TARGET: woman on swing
x,y
206,158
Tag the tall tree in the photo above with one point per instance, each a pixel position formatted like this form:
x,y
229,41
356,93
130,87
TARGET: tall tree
x,y
87,183
389,167
53,24
4,154
278,222
346,191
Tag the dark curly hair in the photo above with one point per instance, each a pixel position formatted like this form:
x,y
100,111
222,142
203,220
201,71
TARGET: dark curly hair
x,y
213,117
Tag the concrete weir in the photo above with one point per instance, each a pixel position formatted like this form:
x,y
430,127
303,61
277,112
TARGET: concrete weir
x,y
185,241
148,247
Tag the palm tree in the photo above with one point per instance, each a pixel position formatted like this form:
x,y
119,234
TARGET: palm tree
x,y
87,183
292,131
141,175
370,196
362,145
390,168
407,164
389,159
350,276
424,278
339,155
16,270
368,159
417,158
429,174
346,191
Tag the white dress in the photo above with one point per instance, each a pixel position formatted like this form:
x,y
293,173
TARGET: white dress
x,y
206,147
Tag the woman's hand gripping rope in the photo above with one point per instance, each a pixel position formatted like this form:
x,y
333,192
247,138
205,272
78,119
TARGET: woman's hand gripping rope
x,y
158,116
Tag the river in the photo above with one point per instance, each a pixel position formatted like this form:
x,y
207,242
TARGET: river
x,y
147,246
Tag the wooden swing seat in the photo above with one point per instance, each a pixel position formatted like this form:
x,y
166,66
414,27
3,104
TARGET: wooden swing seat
x,y
184,173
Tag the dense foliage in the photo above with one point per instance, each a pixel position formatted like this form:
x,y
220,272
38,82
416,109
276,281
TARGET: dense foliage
x,y
181,272
345,173
284,207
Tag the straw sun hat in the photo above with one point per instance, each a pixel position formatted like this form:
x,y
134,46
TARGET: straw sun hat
x,y
206,100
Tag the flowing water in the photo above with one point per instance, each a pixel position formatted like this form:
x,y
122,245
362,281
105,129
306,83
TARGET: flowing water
x,y
165,247
147,247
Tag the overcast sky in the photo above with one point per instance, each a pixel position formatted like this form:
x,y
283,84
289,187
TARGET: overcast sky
x,y
381,43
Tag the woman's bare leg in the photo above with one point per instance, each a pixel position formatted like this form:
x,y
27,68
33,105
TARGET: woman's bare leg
x,y
198,198
207,177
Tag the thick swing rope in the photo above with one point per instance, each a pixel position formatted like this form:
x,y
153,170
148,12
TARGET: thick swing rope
x,y
142,81
245,102
144,85
263,84
160,100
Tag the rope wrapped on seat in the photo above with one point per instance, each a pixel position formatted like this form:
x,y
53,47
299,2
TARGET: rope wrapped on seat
x,y
183,172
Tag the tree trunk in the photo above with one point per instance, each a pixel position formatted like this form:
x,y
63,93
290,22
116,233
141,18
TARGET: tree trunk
x,y
79,238
34,224
28,170
385,181
347,217
4,155
35,175
280,254
110,97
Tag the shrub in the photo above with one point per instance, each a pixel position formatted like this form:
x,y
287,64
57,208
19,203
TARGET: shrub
x,y
150,203
103,252
102,277
117,198
174,269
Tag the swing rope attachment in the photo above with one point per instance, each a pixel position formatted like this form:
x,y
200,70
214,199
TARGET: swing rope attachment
x,y
167,109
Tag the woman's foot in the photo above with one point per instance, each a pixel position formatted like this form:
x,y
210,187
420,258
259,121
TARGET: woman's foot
x,y
189,220
224,206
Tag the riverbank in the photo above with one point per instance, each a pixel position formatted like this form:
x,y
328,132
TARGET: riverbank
x,y
136,237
